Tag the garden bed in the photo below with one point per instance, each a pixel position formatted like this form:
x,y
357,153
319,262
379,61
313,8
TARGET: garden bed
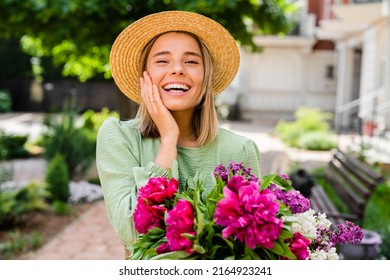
x,y
34,230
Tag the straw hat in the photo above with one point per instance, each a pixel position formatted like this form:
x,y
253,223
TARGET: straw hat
x,y
126,50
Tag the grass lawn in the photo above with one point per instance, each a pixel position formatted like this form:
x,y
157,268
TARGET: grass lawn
x,y
378,217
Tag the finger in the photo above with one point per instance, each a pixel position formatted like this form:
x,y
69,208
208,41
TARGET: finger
x,y
156,94
142,88
149,87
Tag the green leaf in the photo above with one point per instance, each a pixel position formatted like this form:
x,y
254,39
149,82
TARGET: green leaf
x,y
282,249
176,255
275,179
267,180
285,234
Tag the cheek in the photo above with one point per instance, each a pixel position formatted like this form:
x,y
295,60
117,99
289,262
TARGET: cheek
x,y
154,75
197,77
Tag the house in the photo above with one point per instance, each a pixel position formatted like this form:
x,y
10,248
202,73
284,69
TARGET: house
x,y
338,62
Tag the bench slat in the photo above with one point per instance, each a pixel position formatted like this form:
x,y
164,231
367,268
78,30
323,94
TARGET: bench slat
x,y
344,190
364,173
357,170
353,181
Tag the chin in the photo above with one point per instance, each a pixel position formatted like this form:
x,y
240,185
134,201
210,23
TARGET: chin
x,y
177,106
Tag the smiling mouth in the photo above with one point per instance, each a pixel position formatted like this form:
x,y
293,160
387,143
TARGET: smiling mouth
x,y
176,88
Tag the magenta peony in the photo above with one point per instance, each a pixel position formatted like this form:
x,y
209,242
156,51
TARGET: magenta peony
x,y
150,209
299,246
159,189
148,216
180,220
247,213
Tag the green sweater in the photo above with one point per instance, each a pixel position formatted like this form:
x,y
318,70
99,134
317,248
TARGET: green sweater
x,y
125,161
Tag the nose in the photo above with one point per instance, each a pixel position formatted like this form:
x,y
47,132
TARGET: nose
x,y
177,69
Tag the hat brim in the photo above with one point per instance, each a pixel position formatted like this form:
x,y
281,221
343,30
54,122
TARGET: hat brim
x,y
126,50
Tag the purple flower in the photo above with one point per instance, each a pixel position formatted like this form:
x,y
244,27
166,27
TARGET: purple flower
x,y
234,169
222,172
293,199
347,233
248,214
284,176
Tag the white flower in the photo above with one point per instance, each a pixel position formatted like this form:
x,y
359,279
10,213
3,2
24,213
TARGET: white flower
x,y
322,221
304,223
323,255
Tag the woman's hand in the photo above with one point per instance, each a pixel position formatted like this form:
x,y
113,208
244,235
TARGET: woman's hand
x,y
163,119
160,115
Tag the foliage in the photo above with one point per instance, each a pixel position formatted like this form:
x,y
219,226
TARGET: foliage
x,y
12,146
378,217
61,208
57,179
78,34
318,141
74,142
5,101
299,133
17,62
93,120
19,244
13,204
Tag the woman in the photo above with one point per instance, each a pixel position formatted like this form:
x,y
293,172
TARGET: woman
x,y
174,64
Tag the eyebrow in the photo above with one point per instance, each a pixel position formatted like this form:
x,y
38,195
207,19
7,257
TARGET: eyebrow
x,y
186,53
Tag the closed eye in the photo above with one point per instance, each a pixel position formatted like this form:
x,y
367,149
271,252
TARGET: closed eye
x,y
192,62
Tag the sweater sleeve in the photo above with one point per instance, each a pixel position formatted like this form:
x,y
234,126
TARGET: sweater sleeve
x,y
124,166
249,154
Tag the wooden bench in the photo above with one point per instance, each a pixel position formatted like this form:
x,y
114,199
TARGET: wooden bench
x,y
353,182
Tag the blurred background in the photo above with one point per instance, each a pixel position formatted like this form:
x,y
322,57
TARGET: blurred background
x,y
312,73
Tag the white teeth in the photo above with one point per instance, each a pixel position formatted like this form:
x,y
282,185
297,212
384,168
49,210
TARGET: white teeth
x,y
176,86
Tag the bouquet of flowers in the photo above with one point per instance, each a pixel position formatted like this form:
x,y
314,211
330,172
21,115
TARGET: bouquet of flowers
x,y
242,217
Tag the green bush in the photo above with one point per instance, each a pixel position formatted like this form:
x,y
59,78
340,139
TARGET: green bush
x,y
5,101
300,133
62,208
377,217
12,146
13,204
7,205
93,120
57,179
18,243
318,141
75,143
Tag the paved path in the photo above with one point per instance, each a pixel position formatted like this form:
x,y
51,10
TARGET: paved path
x,y
88,238
91,237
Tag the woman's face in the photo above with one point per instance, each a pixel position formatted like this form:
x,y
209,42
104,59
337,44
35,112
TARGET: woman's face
x,y
175,65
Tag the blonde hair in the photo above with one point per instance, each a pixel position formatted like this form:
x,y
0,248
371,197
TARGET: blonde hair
x,y
204,118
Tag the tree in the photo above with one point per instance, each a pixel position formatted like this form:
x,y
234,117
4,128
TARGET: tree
x,y
77,34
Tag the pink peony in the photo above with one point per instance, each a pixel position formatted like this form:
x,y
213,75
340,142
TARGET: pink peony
x,y
180,220
248,214
159,189
299,246
163,248
148,216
